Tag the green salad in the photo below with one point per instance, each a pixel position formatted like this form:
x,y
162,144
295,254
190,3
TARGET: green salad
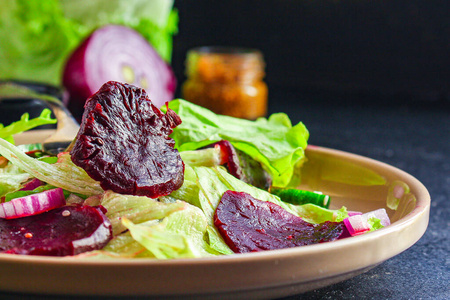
x,y
185,222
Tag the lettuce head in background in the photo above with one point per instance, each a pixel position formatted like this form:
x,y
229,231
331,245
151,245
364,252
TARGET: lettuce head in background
x,y
36,37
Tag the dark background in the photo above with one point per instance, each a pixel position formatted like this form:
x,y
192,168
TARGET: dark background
x,y
367,77
355,50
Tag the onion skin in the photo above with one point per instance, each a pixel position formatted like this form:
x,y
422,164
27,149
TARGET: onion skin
x,y
117,53
32,204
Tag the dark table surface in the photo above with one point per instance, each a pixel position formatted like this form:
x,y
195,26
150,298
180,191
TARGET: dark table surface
x,y
413,136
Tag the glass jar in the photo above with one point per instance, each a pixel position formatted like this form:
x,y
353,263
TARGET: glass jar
x,y
228,81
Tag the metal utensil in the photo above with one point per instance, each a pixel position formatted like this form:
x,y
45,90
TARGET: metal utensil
x,y
67,127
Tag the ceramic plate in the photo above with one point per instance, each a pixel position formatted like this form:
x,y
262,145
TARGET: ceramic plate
x,y
360,183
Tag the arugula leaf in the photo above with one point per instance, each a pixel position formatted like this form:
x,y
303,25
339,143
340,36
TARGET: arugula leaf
x,y
25,124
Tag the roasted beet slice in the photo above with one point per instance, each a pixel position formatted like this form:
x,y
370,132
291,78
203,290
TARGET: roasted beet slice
x,y
68,230
124,143
249,225
243,166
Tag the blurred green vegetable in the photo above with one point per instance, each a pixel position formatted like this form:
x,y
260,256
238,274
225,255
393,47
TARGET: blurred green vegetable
x,y
36,37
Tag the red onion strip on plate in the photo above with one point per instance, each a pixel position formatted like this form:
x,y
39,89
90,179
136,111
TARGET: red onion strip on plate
x,y
32,204
31,185
358,223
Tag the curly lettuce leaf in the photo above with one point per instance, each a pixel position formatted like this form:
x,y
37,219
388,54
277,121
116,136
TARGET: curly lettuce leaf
x,y
137,209
315,214
65,175
11,179
179,235
154,229
274,142
36,37
25,124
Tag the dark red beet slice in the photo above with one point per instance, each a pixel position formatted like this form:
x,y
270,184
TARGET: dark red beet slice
x,y
249,225
242,166
124,143
68,230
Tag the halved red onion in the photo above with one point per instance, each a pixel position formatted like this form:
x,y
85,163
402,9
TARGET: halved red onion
x,y
32,204
121,54
358,224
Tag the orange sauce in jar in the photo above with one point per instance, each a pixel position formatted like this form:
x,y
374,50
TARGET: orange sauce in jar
x,y
228,81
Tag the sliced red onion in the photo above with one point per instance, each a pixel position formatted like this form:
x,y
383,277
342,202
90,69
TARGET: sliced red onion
x,y
354,213
31,185
379,214
358,224
121,54
32,204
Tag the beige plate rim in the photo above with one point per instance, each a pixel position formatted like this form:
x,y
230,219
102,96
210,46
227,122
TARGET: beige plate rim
x,y
284,264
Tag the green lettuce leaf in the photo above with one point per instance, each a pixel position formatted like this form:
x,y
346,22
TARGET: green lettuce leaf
x,y
11,178
65,175
274,142
121,246
136,209
208,157
36,37
25,124
179,235
374,223
162,230
315,214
